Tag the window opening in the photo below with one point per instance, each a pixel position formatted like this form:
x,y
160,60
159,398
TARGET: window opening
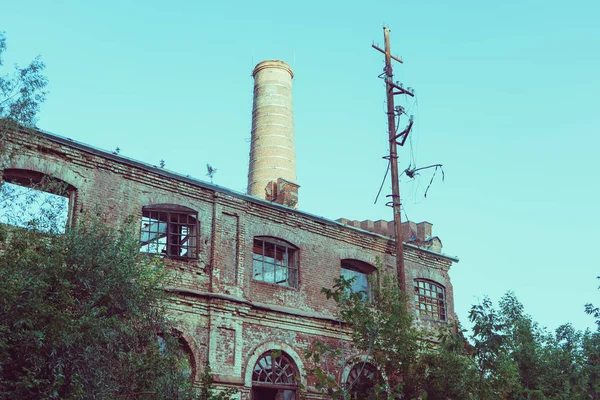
x,y
275,261
274,377
168,232
360,271
30,199
361,380
430,299
361,281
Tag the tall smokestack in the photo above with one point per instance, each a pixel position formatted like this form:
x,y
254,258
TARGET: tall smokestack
x,y
272,170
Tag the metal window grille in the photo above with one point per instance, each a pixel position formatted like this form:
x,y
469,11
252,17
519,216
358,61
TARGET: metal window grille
x,y
277,370
361,379
169,233
274,377
430,299
274,261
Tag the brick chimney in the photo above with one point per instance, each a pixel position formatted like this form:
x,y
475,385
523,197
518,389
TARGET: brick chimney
x,y
423,231
272,169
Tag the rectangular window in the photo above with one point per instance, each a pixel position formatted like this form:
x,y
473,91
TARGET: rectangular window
x,y
42,206
274,261
169,233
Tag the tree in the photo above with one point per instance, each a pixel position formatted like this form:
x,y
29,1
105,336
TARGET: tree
x,y
451,371
82,316
523,342
519,360
82,312
498,373
382,332
21,92
593,311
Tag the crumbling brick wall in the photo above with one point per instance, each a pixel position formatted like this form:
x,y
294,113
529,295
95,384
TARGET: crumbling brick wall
x,y
224,315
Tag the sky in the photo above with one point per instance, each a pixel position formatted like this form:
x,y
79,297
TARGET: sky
x,y
506,99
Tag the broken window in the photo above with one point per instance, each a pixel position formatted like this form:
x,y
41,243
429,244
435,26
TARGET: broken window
x,y
361,380
30,199
275,261
274,377
430,299
169,230
358,271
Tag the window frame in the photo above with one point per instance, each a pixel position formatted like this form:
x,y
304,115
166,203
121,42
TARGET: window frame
x,y
170,211
362,377
291,265
438,306
275,359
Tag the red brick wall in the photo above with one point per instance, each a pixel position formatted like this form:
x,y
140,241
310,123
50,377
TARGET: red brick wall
x,y
226,331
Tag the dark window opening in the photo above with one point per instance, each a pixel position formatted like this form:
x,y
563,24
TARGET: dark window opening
x,y
361,380
170,232
275,261
274,377
30,199
430,299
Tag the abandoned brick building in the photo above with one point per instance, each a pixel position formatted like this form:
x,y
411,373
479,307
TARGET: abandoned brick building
x,y
251,265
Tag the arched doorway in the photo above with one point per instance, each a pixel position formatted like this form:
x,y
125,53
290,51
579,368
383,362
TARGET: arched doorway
x,y
274,377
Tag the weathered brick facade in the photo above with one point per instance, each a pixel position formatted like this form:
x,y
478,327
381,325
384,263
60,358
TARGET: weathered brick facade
x,y
226,317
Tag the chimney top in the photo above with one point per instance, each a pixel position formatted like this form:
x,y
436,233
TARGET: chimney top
x,y
272,64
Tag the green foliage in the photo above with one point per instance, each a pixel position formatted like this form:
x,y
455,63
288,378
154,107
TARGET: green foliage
x,y
381,330
594,311
21,92
451,371
80,317
518,360
509,355
82,313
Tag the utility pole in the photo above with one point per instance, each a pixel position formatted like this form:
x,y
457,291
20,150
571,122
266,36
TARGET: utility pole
x,y
395,139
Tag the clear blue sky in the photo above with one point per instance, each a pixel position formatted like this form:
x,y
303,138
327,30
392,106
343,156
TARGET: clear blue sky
x,y
507,100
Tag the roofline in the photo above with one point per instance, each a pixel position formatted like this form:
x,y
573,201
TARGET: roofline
x,y
197,182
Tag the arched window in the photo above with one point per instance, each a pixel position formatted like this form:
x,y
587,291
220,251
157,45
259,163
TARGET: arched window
x,y
275,261
169,230
274,377
361,380
430,299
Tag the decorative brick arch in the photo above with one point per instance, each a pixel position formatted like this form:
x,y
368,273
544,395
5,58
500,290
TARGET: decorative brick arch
x,y
358,255
263,348
278,232
52,169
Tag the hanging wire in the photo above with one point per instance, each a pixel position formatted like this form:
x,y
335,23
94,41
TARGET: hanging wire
x,y
383,181
433,176
405,215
